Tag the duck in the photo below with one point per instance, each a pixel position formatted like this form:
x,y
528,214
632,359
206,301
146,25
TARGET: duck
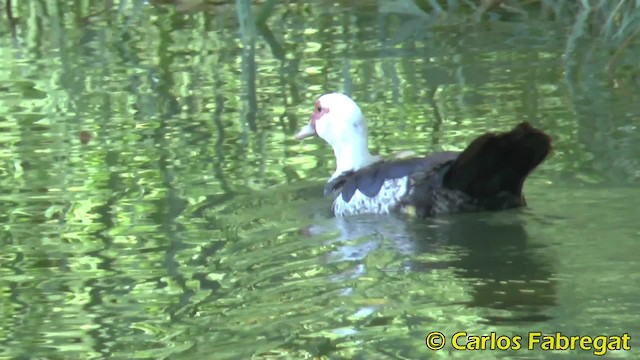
x,y
487,175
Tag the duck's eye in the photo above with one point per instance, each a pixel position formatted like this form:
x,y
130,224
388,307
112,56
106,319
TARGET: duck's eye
x,y
319,108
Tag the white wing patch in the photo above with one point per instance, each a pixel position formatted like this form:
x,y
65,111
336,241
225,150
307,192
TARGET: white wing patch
x,y
385,202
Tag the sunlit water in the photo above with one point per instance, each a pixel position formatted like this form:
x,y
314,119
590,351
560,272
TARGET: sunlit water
x,y
151,211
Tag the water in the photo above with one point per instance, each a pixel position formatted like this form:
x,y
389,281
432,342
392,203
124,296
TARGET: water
x,y
155,206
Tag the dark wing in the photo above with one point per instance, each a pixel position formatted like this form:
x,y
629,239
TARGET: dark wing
x,y
369,180
427,195
497,163
337,183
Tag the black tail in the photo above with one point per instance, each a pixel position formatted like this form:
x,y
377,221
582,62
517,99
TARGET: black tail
x,y
498,164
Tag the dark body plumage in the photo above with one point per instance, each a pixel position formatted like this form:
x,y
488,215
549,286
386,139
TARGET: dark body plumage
x,y
487,175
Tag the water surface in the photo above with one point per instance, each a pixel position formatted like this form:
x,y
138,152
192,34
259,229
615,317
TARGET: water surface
x,y
155,206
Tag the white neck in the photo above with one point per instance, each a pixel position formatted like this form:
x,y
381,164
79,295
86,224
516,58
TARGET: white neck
x,y
352,155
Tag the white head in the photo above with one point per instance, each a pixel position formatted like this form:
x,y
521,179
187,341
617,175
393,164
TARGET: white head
x,y
338,120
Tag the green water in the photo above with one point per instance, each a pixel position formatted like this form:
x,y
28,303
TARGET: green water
x,y
155,206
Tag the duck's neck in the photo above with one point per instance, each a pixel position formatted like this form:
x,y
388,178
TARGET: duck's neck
x,y
352,155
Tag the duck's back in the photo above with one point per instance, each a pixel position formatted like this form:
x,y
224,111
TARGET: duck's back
x,y
386,186
488,175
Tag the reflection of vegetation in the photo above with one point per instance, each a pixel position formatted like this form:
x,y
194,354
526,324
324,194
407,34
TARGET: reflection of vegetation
x,y
129,131
596,49
614,23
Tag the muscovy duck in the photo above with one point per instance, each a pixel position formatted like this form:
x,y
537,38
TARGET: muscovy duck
x,y
486,176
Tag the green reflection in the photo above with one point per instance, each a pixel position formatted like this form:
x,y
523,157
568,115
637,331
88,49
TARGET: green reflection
x,y
154,203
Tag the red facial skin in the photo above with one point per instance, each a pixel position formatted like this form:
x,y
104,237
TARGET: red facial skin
x,y
318,111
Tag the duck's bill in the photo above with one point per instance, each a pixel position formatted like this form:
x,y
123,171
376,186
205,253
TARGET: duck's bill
x,y
305,132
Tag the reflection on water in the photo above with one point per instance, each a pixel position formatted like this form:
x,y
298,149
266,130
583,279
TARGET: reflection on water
x,y
155,206
492,254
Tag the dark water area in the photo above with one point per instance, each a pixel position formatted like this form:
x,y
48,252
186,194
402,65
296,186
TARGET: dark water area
x,y
156,206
